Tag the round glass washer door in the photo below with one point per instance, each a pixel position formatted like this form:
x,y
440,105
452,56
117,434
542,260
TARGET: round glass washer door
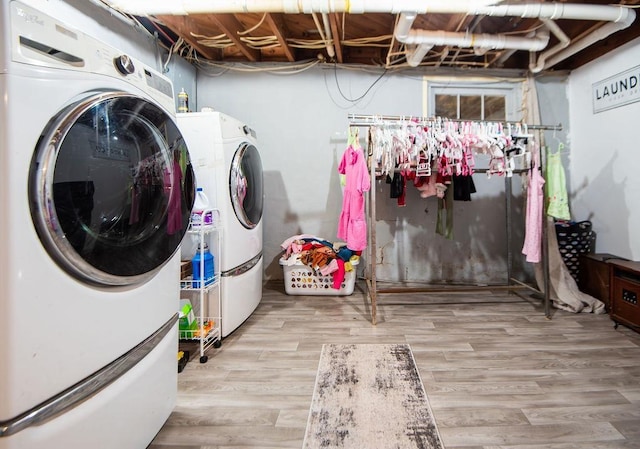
x,y
246,185
111,189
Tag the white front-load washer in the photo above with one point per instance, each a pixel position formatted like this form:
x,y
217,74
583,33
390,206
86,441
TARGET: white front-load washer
x,y
228,167
96,191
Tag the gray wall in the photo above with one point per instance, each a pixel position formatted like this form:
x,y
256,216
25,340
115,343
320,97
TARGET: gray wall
x,y
604,159
553,102
302,122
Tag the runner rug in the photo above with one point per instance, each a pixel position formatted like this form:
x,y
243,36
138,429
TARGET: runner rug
x,y
370,396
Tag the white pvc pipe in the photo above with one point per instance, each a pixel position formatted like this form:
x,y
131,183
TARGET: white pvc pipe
x,y
185,7
403,27
601,33
425,40
622,18
490,41
327,34
552,11
563,42
619,16
416,55
507,54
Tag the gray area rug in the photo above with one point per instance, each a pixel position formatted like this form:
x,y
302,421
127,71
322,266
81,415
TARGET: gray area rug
x,y
370,396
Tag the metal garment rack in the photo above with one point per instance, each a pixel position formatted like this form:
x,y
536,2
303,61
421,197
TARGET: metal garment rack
x,y
512,283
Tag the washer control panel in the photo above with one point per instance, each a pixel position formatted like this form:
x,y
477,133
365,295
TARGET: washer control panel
x,y
124,64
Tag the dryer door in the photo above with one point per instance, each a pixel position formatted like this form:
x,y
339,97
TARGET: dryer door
x,y
111,189
245,184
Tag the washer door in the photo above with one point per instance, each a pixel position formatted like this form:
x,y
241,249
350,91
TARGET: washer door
x,y
245,184
111,188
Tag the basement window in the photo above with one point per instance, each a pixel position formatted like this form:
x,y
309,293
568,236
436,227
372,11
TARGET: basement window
x,y
473,102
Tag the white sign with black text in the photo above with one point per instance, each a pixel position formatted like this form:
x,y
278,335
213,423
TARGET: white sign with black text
x,y
617,90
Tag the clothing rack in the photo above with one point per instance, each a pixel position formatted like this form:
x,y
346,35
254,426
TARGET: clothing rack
x,y
371,120
512,283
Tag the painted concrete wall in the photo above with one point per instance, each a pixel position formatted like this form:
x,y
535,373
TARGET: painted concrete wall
x,y
301,122
604,154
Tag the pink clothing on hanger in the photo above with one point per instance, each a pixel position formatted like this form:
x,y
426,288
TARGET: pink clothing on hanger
x,y
532,247
352,226
428,188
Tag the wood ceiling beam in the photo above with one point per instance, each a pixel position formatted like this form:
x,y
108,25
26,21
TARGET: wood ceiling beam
x,y
230,26
336,32
598,48
458,21
183,26
279,28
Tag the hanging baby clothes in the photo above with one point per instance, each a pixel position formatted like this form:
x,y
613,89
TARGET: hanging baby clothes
x,y
444,220
557,186
532,247
463,187
352,227
398,187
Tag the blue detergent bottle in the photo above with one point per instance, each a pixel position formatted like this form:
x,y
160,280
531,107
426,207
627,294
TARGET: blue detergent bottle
x,y
208,272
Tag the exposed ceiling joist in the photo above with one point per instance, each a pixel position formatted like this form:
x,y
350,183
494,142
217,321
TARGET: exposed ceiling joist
x,y
336,32
292,34
186,28
279,28
231,26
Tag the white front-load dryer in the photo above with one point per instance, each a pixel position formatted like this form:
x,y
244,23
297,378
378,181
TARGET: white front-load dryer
x,y
96,193
227,165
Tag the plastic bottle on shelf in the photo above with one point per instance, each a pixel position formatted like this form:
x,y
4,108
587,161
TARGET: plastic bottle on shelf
x,y
183,101
200,205
205,258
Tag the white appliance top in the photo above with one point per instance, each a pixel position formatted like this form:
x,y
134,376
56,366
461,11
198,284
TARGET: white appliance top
x,y
38,40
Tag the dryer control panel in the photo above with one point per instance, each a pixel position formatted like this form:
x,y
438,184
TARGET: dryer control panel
x,y
40,40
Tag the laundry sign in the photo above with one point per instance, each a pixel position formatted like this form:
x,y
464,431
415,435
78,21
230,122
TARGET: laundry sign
x,y
617,90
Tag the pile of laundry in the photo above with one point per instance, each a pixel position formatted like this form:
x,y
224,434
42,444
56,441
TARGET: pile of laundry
x,y
323,257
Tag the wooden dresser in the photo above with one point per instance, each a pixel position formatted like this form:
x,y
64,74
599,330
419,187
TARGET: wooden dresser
x,y
594,277
624,293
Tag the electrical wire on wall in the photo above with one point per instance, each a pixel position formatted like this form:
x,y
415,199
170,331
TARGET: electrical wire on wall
x,y
355,100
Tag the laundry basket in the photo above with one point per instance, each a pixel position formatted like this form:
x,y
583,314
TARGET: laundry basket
x,y
299,279
574,239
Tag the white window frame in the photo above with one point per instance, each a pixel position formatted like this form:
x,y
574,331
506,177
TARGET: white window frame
x,y
511,91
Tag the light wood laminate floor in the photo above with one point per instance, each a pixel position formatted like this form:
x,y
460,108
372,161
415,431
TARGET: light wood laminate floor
x,y
497,372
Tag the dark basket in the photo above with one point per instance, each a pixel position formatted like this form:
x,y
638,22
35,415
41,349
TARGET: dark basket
x,y
575,239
